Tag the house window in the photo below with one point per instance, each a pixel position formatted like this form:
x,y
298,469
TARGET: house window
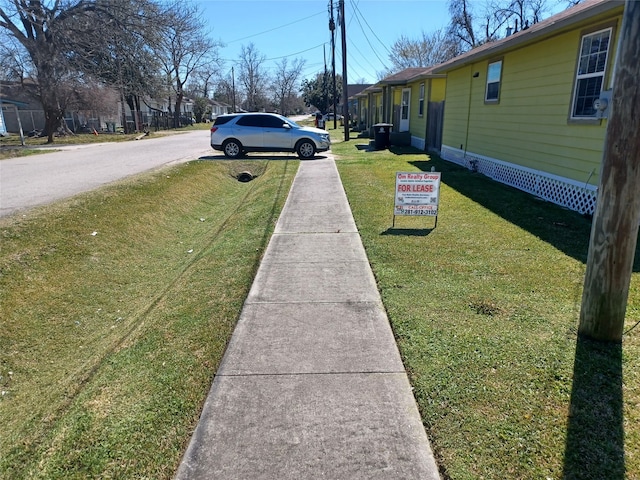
x,y
421,101
494,74
592,65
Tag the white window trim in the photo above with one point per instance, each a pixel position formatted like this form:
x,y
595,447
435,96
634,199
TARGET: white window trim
x,y
579,77
499,82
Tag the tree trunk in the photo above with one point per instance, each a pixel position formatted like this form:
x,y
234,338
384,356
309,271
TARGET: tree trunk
x,y
614,231
177,110
52,120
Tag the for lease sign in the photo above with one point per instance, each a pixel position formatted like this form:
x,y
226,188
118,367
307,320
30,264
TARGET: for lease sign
x,y
417,193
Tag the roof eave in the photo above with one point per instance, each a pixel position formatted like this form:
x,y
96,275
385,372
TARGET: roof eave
x,y
515,41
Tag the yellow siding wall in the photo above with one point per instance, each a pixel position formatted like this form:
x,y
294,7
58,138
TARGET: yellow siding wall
x,y
364,110
434,91
417,122
456,107
529,126
438,87
376,114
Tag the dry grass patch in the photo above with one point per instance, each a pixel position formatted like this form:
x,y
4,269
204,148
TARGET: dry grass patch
x,y
116,309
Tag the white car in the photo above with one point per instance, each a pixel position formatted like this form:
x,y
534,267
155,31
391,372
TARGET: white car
x,y
238,133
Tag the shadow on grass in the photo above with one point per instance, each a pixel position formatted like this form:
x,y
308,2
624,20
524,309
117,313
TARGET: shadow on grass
x,y
402,150
364,146
261,156
566,230
408,232
595,433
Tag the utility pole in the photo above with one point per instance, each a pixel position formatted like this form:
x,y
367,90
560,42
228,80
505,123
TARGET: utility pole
x,y
325,80
332,27
233,89
345,89
614,230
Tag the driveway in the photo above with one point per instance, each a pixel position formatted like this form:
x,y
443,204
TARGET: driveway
x,y
27,182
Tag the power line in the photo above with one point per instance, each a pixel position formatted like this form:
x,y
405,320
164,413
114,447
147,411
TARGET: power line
x,y
353,45
278,58
292,54
356,72
367,39
277,28
357,10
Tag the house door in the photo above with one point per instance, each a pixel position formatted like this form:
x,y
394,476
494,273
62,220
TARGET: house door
x,y
404,110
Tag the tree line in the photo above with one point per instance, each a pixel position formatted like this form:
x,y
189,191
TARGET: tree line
x,y
92,54
472,23
84,53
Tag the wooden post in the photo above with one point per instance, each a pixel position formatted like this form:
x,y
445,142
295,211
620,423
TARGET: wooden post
x,y
615,223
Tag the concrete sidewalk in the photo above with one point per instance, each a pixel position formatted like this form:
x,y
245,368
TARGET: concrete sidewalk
x,y
311,385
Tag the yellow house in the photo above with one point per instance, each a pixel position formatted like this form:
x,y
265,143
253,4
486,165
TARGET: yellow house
x,y
523,110
413,101
369,107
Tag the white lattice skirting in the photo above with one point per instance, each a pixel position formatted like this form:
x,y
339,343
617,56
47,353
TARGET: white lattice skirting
x,y
555,189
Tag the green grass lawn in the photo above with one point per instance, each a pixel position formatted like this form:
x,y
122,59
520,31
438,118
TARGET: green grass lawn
x,y
116,308
485,310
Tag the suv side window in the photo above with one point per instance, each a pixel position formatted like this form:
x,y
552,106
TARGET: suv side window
x,y
221,120
273,122
250,121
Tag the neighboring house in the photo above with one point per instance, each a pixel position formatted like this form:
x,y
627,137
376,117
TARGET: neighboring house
x,y
218,108
20,109
521,110
10,121
19,104
352,104
3,126
158,113
368,105
412,100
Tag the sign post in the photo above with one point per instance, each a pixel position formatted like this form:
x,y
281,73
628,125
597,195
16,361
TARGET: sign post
x,y
417,194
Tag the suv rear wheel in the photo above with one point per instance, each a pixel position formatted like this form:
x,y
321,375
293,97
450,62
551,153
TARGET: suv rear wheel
x,y
306,149
232,149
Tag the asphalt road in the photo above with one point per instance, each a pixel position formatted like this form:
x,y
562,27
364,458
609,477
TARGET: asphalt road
x,y
27,182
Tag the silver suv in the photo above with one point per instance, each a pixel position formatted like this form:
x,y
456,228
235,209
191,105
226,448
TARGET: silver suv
x,y
238,133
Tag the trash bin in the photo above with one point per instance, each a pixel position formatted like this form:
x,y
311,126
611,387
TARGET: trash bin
x,y
381,132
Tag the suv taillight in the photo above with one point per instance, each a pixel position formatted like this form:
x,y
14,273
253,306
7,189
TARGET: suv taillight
x,y
213,129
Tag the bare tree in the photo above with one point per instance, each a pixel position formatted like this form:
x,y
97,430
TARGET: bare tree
x,y
253,77
13,62
203,80
225,91
430,49
48,34
184,48
285,84
125,58
472,29
71,45
519,14
461,26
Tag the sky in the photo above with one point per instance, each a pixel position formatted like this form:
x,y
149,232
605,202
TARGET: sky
x,y
300,29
